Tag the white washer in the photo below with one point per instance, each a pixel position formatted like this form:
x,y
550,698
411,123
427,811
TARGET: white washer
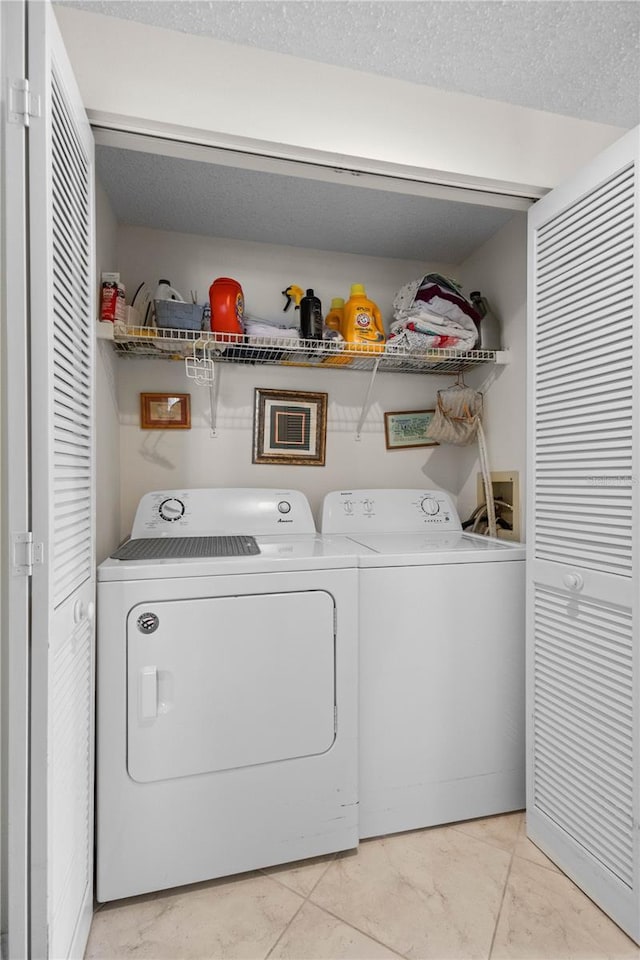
x,y
227,692
442,715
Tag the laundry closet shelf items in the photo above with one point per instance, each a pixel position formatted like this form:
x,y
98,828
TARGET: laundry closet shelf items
x,y
327,354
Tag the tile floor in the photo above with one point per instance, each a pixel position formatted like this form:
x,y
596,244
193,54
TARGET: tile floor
x,y
471,890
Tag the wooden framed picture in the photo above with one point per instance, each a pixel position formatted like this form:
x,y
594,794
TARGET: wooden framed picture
x,y
165,411
289,427
408,429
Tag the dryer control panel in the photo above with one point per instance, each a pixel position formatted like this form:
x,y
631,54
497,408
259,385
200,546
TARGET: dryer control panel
x,y
388,511
230,511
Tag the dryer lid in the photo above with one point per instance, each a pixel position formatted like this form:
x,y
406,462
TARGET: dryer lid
x,y
185,548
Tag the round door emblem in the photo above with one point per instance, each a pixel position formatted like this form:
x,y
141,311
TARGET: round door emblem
x,y
148,623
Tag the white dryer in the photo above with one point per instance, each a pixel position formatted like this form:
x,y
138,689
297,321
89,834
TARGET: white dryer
x,y
442,713
226,689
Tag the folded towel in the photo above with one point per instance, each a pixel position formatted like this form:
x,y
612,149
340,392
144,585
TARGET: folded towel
x,y
261,328
407,338
428,331
434,308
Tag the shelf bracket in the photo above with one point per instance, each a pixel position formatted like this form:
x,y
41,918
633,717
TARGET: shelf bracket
x,y
214,388
367,399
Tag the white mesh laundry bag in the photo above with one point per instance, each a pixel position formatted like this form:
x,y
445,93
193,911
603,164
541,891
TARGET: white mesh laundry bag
x,y
458,420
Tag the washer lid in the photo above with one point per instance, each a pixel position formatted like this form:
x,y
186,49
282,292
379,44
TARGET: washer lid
x,y
414,549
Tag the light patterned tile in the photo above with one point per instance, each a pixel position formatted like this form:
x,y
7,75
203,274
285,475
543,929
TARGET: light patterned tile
x,y
239,918
545,915
527,850
314,935
432,895
301,876
501,831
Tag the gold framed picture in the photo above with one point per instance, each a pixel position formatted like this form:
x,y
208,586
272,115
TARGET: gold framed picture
x,y
165,411
289,427
408,429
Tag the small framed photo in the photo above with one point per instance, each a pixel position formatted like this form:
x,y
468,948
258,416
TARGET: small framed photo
x,y
289,427
408,429
165,411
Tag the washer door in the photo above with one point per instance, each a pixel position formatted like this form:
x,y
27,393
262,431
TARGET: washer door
x,y
227,682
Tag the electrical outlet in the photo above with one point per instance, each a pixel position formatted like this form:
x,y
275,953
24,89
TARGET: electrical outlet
x,y
506,489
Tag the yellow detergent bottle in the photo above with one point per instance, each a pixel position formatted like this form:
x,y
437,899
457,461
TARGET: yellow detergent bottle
x,y
333,320
362,321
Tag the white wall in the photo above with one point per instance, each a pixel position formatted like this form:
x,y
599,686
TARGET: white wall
x,y
137,71
107,417
173,458
166,459
499,269
192,262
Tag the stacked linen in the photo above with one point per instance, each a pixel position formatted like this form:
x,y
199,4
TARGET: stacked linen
x,y
433,313
255,327
270,338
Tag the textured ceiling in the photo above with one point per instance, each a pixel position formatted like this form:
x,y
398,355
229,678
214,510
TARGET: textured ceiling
x,y
211,200
580,58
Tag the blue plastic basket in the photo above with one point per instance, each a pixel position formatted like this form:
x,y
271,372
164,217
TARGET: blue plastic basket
x,y
176,315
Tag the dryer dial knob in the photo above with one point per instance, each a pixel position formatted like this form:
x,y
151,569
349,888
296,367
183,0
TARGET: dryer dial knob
x,y
284,506
171,509
430,506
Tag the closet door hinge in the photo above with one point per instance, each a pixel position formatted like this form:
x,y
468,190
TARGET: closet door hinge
x,y
26,554
23,104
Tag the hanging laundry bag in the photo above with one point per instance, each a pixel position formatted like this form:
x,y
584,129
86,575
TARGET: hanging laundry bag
x,y
457,420
457,416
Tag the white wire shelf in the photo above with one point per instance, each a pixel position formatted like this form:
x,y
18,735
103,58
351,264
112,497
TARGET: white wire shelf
x,y
163,343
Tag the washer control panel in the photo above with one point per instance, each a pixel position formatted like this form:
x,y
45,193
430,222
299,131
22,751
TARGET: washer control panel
x,y
220,511
388,511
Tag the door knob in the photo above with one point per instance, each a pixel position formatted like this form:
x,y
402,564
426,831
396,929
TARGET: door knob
x,y
573,581
83,612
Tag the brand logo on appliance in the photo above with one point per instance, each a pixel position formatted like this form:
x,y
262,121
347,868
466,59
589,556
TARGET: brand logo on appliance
x,y
147,623
282,520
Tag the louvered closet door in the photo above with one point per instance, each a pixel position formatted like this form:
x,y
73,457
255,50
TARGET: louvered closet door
x,y
62,330
583,520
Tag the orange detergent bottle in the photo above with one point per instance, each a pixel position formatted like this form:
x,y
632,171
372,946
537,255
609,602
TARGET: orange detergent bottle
x,y
362,320
227,306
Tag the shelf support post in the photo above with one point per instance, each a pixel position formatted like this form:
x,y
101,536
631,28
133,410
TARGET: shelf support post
x,y
365,405
213,400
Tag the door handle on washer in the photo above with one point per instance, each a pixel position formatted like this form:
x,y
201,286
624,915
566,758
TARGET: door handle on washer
x,y
148,690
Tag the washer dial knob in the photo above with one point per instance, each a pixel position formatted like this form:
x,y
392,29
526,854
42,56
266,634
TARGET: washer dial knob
x,y
171,509
284,506
430,506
